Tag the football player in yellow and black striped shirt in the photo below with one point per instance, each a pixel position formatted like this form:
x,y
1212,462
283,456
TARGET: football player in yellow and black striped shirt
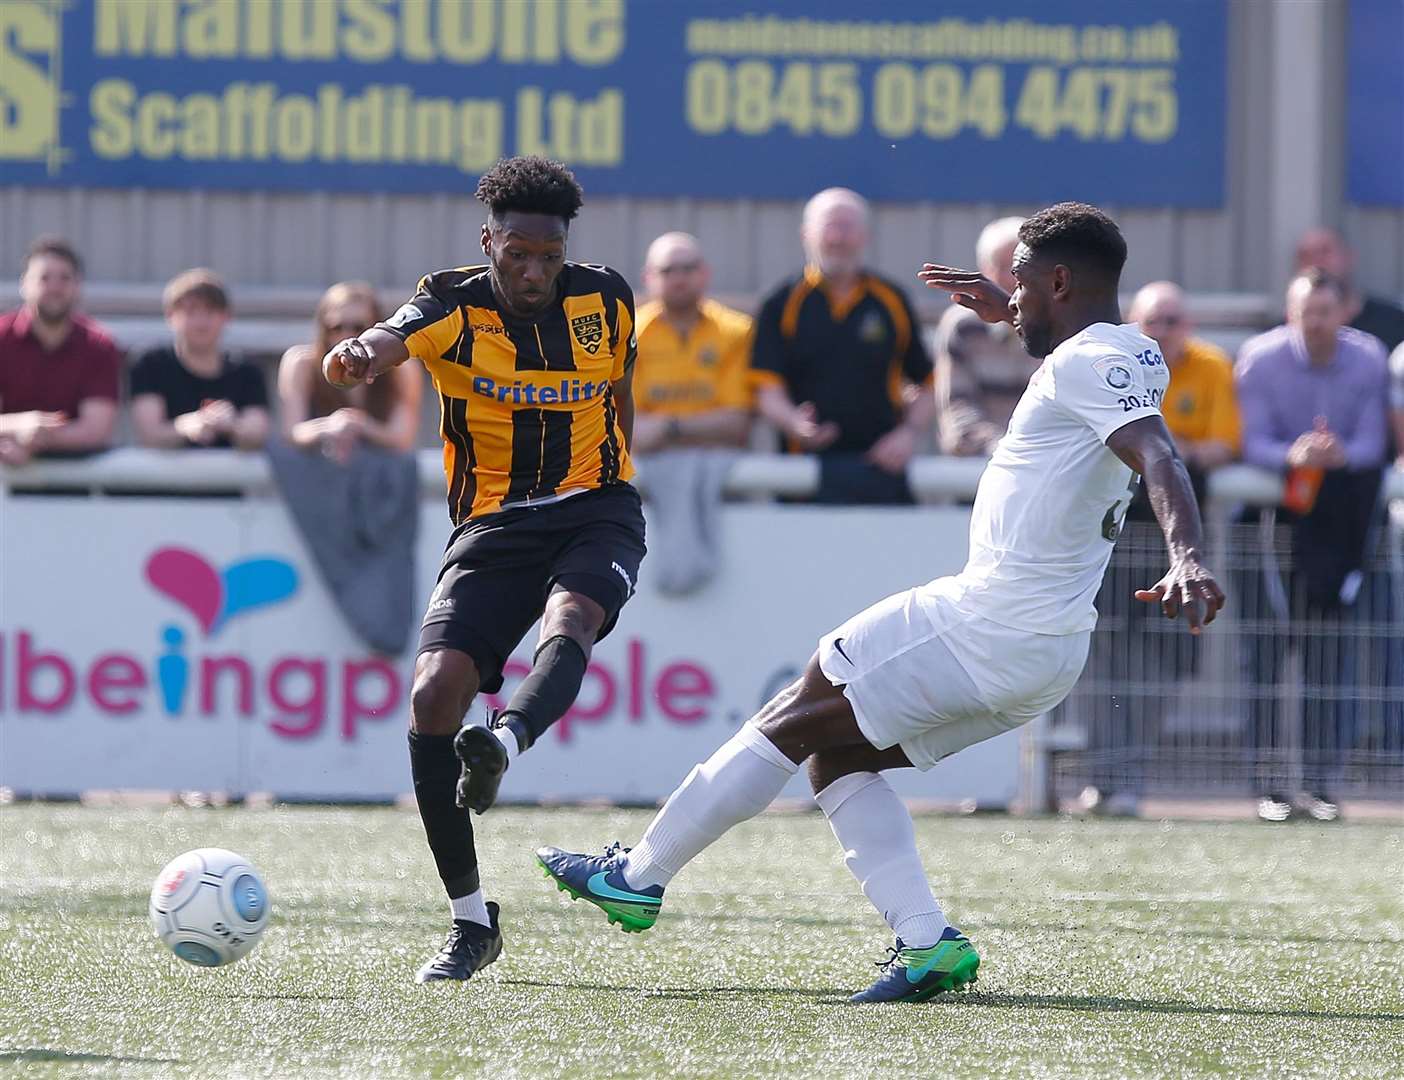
x,y
532,358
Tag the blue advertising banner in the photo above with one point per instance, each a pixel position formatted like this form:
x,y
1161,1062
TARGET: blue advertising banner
x,y
1019,100
1375,103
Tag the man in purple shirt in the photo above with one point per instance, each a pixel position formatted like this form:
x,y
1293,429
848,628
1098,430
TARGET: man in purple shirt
x,y
1313,396
1313,368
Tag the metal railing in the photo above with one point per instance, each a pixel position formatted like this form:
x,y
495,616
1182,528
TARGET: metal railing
x,y
1298,686
933,478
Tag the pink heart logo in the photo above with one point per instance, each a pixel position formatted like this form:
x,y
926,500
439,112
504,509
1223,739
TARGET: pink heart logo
x,y
188,580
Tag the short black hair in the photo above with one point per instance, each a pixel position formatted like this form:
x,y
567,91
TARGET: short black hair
x,y
56,246
1077,234
530,185
1317,278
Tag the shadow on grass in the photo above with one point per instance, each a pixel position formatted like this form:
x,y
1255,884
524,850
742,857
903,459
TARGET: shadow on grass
x,y
27,1056
1094,1003
976,999
690,993
1188,932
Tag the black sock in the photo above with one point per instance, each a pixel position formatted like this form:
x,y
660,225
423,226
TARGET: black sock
x,y
544,696
435,768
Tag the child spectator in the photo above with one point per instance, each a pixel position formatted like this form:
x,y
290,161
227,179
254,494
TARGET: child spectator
x,y
191,393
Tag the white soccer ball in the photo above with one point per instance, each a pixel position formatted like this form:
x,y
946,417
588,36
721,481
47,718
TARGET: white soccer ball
x,y
209,906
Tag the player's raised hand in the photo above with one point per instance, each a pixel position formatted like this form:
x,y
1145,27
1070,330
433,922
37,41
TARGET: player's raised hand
x,y
968,288
1188,589
348,364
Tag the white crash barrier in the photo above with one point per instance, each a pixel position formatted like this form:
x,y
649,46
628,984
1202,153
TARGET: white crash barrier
x,y
177,643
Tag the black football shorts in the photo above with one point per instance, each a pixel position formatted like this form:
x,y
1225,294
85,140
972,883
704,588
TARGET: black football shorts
x,y
499,570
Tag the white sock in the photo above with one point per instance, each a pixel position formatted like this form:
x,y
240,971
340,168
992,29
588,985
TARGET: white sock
x,y
508,738
736,783
470,907
879,846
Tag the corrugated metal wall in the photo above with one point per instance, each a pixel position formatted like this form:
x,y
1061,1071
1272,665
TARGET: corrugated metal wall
x,y
315,238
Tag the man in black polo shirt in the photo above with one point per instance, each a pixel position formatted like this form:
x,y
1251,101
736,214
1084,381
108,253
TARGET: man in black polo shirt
x,y
839,361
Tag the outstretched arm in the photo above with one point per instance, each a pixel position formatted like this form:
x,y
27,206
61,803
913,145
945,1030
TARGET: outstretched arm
x,y
361,359
971,289
1146,446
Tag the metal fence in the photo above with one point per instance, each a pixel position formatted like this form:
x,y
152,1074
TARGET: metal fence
x,y
1298,686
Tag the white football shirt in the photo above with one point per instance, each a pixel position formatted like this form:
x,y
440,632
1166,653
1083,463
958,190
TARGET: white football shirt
x,y
1051,501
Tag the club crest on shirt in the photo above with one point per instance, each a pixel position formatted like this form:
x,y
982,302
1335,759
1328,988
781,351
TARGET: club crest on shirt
x,y
872,329
708,356
589,331
407,313
1115,372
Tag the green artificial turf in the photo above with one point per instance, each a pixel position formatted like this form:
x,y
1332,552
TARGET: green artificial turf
x,y
1110,949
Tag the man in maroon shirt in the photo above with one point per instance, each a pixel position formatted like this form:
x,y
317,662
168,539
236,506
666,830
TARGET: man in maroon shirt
x,y
59,372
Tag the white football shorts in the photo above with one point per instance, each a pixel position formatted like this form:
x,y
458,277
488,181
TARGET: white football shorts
x,y
925,673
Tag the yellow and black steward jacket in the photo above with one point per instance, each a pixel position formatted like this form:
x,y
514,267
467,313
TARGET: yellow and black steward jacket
x,y
854,360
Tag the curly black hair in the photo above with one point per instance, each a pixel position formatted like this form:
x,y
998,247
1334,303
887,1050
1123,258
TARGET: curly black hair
x,y
1077,234
530,185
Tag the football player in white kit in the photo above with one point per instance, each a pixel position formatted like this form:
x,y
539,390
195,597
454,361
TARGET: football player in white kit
x,y
926,673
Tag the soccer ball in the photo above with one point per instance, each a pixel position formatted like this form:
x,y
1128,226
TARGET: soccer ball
x,y
209,906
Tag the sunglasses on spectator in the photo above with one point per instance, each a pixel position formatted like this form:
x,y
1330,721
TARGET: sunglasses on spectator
x,y
348,327
675,268
1165,320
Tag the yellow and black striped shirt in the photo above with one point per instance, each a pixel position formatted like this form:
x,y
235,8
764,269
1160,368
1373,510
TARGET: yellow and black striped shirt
x,y
528,413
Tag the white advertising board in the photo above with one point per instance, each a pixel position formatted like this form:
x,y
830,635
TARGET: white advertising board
x,y
188,644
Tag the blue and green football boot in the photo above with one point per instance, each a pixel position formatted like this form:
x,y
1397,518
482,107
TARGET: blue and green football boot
x,y
600,880
918,974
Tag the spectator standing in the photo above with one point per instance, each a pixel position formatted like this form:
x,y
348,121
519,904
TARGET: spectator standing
x,y
1200,409
1312,394
1388,591
1396,403
691,387
1134,661
60,374
315,415
839,362
981,369
190,393
1325,249
693,401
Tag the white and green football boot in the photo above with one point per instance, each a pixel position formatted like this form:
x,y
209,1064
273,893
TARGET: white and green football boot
x,y
918,974
600,880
